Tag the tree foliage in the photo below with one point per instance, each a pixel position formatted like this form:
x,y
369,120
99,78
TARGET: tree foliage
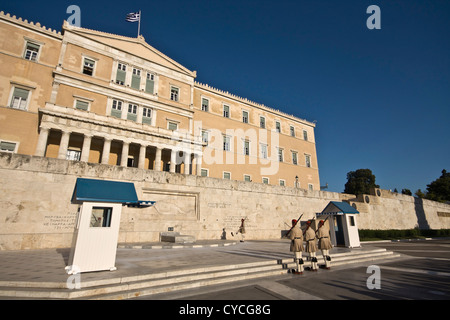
x,y
439,189
360,182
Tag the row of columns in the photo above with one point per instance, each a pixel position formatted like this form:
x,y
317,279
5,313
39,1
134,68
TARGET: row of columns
x,y
64,145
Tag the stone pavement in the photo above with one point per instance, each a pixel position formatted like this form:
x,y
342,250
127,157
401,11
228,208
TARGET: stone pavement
x,y
45,267
48,264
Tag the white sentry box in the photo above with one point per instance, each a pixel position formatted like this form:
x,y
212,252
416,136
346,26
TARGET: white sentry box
x,y
96,237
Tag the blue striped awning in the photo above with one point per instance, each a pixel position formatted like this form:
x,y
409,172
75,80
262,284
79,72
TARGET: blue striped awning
x,y
107,191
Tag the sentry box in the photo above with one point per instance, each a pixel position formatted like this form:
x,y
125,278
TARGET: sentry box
x,y
342,222
98,220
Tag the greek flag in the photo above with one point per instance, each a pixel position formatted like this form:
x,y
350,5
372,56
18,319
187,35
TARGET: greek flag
x,y
133,17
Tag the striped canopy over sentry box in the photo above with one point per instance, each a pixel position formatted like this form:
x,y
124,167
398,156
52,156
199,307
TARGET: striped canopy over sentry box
x,y
338,208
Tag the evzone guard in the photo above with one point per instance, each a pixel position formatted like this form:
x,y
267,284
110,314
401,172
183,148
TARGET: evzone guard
x,y
241,230
323,234
310,237
295,234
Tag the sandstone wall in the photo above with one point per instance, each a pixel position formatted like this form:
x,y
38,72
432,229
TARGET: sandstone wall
x,y
36,209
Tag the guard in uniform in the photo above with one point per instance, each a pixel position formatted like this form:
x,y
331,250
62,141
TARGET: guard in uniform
x,y
311,247
296,236
323,234
242,230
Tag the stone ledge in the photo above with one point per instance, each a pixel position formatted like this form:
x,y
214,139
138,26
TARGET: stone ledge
x,y
172,245
176,237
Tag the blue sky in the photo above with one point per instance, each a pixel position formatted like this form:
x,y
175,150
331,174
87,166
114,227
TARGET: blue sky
x,y
381,98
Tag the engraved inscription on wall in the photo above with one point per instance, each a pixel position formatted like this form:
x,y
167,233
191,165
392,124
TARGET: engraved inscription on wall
x,y
60,222
232,223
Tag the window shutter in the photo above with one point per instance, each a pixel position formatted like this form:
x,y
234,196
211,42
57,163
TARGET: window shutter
x,y
33,46
21,93
121,75
7,146
82,105
149,86
135,82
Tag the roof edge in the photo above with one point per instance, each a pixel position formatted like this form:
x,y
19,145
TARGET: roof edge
x,y
138,40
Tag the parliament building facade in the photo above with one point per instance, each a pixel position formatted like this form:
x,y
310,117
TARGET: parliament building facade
x,y
85,95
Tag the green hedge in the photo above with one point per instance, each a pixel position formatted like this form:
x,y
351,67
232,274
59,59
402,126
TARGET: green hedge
x,y
365,234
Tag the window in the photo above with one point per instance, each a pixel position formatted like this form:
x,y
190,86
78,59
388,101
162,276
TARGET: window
x,y
278,126
31,51
88,66
147,115
172,126
132,112
247,178
7,146
136,72
121,74
245,116
262,122
174,92
308,160
82,105
226,143
150,83
294,158
263,148
136,79
101,217
305,135
227,175
280,155
132,108
226,111
205,104
352,221
204,172
205,136
265,180
19,98
116,109
74,155
292,131
246,147
282,182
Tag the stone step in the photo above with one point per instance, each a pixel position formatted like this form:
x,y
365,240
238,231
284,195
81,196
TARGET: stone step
x,y
137,283
349,259
170,281
345,256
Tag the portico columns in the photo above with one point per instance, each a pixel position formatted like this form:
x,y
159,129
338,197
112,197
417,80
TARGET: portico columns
x,y
198,164
125,151
86,148
142,151
63,145
158,159
106,150
187,163
42,142
173,157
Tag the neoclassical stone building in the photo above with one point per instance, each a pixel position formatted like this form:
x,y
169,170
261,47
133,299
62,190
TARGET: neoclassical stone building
x,y
91,96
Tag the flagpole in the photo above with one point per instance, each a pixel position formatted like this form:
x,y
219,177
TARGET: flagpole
x,y
139,24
